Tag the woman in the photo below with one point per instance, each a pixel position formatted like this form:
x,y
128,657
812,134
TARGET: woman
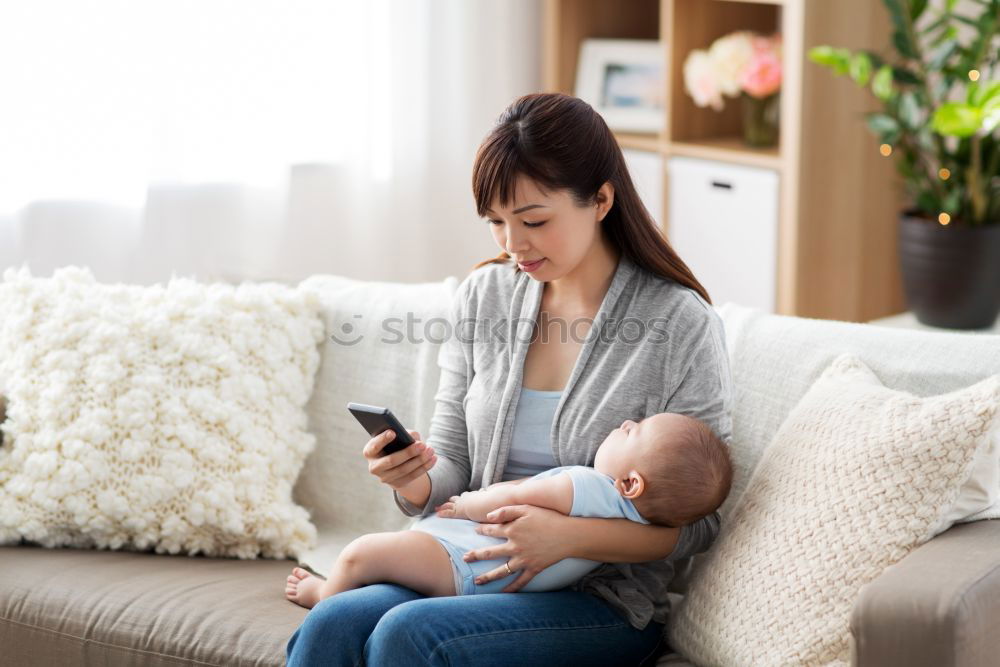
x,y
635,336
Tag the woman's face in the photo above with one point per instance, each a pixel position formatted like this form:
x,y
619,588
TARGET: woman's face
x,y
549,227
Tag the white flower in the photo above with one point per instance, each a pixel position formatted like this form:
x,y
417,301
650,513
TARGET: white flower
x,y
700,81
730,56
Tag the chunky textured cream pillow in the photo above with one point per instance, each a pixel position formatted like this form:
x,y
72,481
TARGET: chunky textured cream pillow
x,y
168,417
855,478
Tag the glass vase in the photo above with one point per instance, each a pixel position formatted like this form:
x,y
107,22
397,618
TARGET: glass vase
x,y
760,120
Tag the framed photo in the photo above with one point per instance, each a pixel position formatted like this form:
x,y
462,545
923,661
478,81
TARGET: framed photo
x,y
623,80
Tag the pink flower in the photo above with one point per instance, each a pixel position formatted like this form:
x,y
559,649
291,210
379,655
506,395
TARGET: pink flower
x,y
762,77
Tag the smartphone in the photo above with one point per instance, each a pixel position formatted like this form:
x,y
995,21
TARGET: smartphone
x,y
377,420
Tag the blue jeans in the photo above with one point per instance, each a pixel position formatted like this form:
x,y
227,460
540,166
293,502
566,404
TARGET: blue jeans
x,y
390,625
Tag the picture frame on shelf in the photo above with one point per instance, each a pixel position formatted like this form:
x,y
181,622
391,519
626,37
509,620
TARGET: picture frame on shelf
x,y
623,79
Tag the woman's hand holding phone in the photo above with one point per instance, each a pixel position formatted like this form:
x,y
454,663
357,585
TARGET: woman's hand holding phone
x,y
401,468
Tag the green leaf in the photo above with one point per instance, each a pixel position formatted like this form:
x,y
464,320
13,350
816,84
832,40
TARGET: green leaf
x,y
925,139
901,39
876,59
988,18
880,123
942,27
941,55
861,68
956,120
882,83
942,86
899,14
836,59
822,54
905,76
948,34
982,95
966,20
991,115
970,94
896,10
909,110
939,22
917,8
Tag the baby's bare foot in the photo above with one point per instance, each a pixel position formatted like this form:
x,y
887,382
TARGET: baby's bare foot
x,y
302,588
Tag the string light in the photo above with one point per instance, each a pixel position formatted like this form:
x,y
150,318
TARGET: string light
x,y
944,174
885,149
944,218
974,75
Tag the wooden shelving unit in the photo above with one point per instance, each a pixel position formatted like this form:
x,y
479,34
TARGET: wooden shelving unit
x,y
839,198
727,149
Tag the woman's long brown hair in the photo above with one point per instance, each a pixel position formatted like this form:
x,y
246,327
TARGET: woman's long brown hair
x,y
560,142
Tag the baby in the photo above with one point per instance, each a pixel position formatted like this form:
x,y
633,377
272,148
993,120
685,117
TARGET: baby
x,y
668,469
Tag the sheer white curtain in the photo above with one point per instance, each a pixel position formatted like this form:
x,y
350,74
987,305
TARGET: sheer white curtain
x,y
259,139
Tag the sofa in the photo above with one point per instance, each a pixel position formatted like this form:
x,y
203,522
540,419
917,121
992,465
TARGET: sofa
x,y
935,607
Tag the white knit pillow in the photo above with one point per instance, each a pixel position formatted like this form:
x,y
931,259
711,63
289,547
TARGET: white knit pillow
x,y
167,417
856,477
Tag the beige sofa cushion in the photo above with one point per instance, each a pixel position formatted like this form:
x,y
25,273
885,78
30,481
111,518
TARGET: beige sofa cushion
x,y
856,477
87,607
382,349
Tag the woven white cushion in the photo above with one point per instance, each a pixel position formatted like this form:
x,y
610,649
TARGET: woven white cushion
x,y
856,477
155,417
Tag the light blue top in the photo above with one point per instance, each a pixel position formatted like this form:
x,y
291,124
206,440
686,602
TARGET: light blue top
x,y
531,446
595,495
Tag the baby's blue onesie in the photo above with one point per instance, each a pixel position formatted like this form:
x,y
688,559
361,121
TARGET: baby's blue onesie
x,y
594,495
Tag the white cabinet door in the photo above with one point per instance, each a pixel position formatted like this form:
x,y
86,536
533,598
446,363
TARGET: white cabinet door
x,y
723,223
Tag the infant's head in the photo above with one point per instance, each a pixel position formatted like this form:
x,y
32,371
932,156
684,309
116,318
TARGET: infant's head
x,y
672,467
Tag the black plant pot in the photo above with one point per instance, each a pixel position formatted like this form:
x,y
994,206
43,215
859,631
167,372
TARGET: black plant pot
x,y
951,273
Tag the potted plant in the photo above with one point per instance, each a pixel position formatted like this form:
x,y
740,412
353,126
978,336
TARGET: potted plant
x,y
741,64
939,118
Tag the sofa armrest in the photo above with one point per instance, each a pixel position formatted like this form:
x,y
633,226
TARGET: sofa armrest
x,y
937,607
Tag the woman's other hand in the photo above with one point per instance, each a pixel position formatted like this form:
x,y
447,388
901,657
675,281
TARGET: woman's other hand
x,y
399,468
536,539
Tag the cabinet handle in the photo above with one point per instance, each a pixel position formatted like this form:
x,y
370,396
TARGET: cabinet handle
x,y
722,185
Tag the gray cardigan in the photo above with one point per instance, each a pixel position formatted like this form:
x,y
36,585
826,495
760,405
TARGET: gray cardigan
x,y
668,355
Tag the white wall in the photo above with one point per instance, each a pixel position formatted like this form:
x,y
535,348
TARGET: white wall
x,y
445,69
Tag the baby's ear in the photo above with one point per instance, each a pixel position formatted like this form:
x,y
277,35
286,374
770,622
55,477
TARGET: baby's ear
x,y
632,485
